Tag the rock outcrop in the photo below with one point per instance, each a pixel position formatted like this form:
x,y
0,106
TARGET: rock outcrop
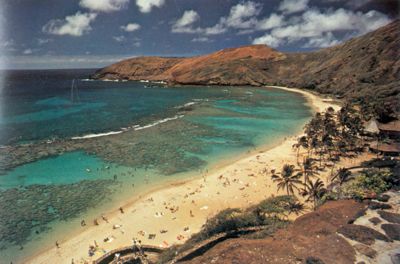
x,y
338,232
312,238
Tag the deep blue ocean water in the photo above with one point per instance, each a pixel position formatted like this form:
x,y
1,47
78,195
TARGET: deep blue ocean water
x,y
203,125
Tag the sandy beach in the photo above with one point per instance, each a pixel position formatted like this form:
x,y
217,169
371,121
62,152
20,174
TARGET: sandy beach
x,y
174,212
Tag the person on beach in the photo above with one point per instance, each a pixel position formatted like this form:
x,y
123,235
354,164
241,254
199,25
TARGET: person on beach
x,y
96,222
57,244
83,223
104,218
122,210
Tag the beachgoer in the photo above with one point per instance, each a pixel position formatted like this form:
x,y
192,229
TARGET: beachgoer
x,y
191,213
83,223
57,245
104,218
91,251
95,221
121,209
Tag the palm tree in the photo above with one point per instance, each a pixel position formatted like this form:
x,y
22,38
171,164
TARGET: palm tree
x,y
314,144
288,179
295,207
342,176
308,169
314,191
301,142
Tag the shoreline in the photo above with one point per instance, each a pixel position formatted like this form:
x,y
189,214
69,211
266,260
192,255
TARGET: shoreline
x,y
197,189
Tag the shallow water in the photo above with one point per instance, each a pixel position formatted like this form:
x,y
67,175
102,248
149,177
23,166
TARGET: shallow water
x,y
169,133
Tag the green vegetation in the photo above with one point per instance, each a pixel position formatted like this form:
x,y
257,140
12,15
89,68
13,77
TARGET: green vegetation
x,y
368,183
270,215
329,137
314,191
288,179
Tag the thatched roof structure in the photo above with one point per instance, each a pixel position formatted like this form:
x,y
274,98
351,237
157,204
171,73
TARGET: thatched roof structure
x,y
388,148
391,127
371,127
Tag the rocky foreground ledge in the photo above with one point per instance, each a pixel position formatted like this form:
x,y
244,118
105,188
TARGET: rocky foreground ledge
x,y
343,231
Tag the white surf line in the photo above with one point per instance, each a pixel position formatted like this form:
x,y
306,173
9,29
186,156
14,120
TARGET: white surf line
x,y
98,135
135,127
159,122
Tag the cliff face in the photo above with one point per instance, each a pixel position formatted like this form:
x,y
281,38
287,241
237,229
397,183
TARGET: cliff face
x,y
234,66
364,66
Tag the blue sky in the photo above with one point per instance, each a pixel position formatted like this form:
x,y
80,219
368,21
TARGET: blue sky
x,y
95,33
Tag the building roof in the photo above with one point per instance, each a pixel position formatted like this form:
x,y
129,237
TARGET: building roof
x,y
371,127
391,126
393,147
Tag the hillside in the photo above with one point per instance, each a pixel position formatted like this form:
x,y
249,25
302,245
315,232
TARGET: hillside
x,y
234,66
365,68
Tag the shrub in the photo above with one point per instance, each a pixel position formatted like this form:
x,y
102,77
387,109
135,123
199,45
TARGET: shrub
x,y
233,219
276,206
369,181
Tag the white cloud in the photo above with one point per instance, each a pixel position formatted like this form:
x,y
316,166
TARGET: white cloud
x,y
268,40
243,15
272,21
327,40
188,18
104,5
8,45
41,41
145,6
201,39
293,6
184,24
27,51
119,38
131,27
317,28
74,25
215,30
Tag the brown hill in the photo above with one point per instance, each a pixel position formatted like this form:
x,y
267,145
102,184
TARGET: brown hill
x,y
366,67
231,66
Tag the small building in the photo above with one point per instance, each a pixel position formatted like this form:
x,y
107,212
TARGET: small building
x,y
391,129
389,149
371,127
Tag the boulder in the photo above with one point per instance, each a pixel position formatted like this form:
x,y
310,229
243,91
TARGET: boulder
x,y
366,250
392,231
362,234
375,220
390,217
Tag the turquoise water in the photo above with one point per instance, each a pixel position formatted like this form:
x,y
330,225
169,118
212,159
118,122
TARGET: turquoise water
x,y
168,133
69,168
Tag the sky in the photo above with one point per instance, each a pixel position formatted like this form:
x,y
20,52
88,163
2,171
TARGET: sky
x,y
40,34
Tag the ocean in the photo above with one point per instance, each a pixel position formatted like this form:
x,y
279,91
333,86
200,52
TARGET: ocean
x,y
72,148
